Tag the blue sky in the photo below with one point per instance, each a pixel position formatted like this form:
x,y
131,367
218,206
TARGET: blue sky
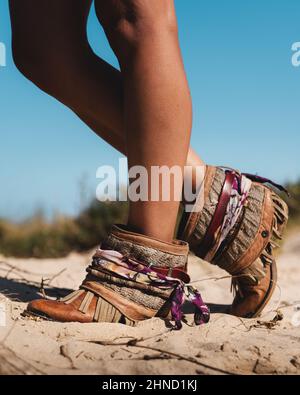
x,y
246,106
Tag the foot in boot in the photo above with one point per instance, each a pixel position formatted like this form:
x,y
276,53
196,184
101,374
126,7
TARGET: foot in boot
x,y
131,278
236,228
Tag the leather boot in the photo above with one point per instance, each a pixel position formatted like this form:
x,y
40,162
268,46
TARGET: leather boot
x,y
236,227
131,278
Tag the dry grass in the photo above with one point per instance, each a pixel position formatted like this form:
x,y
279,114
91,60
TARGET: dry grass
x,y
40,239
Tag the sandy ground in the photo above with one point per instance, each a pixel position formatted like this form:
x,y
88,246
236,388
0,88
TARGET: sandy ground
x,y
226,345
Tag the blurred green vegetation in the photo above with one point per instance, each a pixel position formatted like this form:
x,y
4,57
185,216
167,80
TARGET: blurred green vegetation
x,y
39,238
294,202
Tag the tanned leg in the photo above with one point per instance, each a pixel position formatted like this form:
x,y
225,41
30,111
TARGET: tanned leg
x,y
50,48
157,102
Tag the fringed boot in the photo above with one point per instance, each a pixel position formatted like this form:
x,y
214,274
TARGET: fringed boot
x,y
131,278
236,224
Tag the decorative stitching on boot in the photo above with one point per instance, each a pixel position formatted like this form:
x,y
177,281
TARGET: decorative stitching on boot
x,y
249,227
129,269
144,253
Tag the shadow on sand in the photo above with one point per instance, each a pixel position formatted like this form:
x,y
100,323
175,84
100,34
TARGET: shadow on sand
x,y
21,291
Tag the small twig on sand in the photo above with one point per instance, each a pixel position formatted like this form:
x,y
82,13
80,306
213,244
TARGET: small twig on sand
x,y
56,276
268,324
42,289
47,282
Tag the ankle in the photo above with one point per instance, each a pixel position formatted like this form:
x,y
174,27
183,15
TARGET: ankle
x,y
147,249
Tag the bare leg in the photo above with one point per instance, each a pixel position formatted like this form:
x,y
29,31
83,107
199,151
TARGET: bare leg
x,y
51,49
157,103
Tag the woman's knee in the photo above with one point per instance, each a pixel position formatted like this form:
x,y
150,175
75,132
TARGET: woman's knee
x,y
45,67
48,38
38,67
128,23
28,60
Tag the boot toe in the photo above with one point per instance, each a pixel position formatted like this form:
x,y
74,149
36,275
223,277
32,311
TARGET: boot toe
x,y
57,311
255,298
40,307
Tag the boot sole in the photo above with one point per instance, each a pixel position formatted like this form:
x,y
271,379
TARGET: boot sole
x,y
32,314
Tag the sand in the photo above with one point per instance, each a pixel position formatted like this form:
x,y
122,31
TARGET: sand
x,y
268,345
